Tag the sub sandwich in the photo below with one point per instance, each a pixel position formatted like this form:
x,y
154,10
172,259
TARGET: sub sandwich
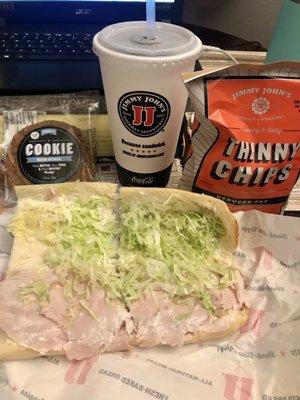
x,y
93,270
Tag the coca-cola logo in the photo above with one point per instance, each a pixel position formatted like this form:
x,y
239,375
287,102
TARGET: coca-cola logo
x,y
142,181
144,113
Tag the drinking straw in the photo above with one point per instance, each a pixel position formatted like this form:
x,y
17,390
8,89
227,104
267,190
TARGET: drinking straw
x,y
150,13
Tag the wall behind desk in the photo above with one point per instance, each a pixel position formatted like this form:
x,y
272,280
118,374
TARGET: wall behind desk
x,y
252,20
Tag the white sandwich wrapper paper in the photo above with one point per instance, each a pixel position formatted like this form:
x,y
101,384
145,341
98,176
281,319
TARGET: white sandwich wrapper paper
x,y
260,362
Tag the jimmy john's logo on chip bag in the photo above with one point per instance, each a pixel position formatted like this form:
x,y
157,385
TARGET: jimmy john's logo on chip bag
x,y
144,114
260,105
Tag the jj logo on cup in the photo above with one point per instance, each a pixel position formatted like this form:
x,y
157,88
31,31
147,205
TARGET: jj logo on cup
x,y
144,113
145,95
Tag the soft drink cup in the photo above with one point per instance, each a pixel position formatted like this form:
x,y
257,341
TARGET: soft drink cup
x,y
145,95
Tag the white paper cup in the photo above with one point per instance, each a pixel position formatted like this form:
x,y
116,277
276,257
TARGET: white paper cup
x,y
145,96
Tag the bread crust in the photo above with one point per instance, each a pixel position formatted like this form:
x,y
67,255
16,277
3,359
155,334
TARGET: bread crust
x,y
44,192
239,318
9,350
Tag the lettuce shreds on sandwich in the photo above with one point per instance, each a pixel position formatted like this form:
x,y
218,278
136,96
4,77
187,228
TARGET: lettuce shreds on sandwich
x,y
80,235
176,251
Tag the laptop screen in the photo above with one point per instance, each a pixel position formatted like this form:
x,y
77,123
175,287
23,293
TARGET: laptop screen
x,y
115,1
86,11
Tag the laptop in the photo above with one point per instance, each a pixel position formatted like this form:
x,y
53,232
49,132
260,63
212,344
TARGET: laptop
x,y
46,46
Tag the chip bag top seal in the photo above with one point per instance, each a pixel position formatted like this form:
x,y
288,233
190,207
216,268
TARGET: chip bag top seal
x,y
246,147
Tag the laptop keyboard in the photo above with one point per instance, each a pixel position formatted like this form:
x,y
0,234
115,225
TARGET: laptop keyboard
x,y
46,46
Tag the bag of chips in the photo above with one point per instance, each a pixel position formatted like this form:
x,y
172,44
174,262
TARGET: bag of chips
x,y
246,141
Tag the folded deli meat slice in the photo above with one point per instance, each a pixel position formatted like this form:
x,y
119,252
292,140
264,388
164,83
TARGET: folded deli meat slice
x,y
62,293
23,320
90,274
175,263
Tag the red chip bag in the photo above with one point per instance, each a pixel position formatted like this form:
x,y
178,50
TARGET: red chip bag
x,y
246,150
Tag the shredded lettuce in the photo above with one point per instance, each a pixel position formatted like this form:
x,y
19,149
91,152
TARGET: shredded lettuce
x,y
80,237
163,246
181,317
39,289
171,250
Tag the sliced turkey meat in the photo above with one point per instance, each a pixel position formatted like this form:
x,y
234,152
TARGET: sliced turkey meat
x,y
240,289
156,320
225,299
23,321
159,319
58,304
122,339
80,328
92,323
88,324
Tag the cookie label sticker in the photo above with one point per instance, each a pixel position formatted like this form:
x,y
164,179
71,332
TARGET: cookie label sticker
x,y
49,155
144,114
